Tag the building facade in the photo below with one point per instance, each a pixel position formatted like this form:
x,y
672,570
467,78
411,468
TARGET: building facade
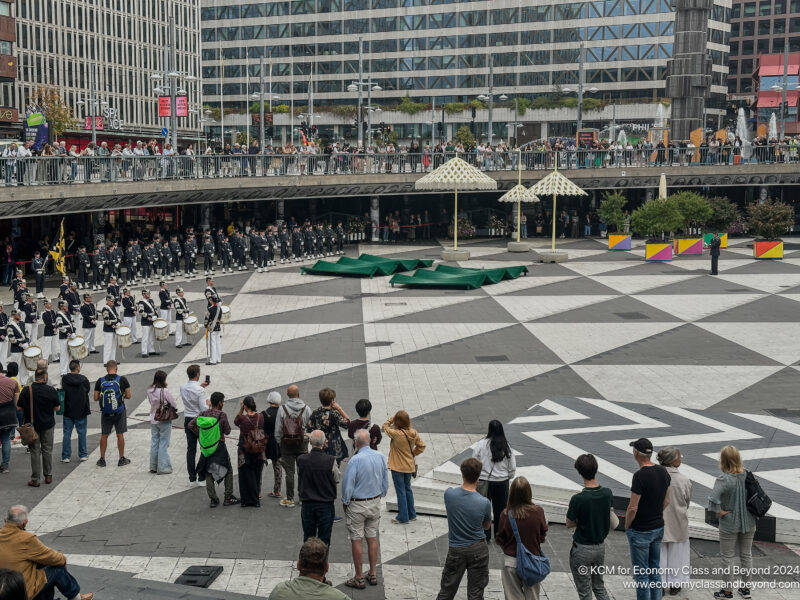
x,y
59,42
440,50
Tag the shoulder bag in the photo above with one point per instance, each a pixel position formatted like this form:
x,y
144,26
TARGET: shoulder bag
x,y
255,442
531,568
483,484
165,410
411,450
758,503
27,433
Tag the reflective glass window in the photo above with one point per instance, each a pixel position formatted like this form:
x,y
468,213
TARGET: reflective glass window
x,y
384,3
503,16
328,6
763,27
508,38
356,26
750,9
779,7
765,8
748,28
411,22
251,11
472,18
747,47
778,26
413,44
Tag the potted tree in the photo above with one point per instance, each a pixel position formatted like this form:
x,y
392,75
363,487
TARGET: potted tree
x,y
768,221
695,211
724,214
611,211
652,219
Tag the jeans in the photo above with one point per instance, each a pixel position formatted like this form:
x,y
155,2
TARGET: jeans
x,y
159,444
582,558
645,549
42,455
405,497
191,450
317,519
66,444
60,579
729,545
5,439
474,560
524,230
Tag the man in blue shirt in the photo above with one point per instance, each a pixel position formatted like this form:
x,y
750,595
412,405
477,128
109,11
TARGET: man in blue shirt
x,y
366,481
469,515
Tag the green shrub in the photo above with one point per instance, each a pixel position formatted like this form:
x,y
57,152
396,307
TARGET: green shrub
x,y
611,209
693,208
770,219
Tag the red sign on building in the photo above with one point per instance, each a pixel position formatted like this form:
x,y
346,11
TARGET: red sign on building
x,y
99,123
9,115
181,106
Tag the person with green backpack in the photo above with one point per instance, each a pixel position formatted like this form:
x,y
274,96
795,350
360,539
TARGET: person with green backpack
x,y
211,426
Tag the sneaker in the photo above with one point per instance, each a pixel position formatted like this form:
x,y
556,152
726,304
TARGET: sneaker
x,y
214,503
744,593
230,501
200,484
101,462
723,594
64,460
83,459
123,461
3,470
396,522
287,503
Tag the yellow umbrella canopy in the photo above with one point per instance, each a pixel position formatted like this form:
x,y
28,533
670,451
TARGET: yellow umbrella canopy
x,y
455,175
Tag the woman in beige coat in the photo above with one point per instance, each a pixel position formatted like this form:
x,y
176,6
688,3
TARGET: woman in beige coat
x,y
675,544
405,446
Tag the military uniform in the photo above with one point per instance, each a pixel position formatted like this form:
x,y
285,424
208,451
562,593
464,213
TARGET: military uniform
x,y
129,315
66,331
88,323
147,310
17,342
31,320
37,266
111,321
285,238
50,342
181,311
212,324
84,266
208,256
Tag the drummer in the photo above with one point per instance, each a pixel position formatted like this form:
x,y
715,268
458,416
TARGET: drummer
x,y
111,321
66,331
165,307
17,342
89,321
148,312
31,318
129,313
181,311
214,332
49,342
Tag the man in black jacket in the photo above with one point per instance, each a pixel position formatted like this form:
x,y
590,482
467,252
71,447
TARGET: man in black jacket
x,y
76,409
714,245
318,477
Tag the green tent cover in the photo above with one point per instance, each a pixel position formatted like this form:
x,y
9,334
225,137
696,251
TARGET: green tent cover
x,y
446,276
365,265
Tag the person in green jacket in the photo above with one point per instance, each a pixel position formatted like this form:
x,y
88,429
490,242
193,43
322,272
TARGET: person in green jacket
x,y
311,583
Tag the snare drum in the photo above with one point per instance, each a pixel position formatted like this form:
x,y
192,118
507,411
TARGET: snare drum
x,y
77,348
161,329
30,356
124,339
225,317
191,325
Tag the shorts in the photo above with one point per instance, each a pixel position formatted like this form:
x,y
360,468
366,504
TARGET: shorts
x,y
116,422
363,518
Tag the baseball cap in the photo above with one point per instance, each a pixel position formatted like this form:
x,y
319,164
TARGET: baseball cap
x,y
643,445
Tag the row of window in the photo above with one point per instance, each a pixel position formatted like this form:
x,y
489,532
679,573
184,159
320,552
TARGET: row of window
x,y
751,28
764,8
762,46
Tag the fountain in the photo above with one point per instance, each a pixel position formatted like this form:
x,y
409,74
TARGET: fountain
x,y
622,138
772,129
660,119
743,133
658,126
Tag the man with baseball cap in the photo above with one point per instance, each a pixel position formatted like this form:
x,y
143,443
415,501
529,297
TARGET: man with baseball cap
x,y
644,520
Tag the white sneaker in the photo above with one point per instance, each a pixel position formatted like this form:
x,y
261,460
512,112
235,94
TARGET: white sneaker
x,y
64,460
83,459
259,270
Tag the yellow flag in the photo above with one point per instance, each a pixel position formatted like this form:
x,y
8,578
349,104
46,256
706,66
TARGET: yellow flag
x,y
58,254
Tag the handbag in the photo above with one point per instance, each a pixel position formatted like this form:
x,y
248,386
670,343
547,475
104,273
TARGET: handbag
x,y
531,568
255,442
165,410
411,450
27,433
483,484
758,503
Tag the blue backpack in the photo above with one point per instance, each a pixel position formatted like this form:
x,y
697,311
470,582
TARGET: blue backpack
x,y
531,568
111,396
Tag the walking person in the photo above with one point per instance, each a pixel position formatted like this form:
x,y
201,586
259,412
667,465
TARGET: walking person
x,y
675,553
76,411
531,524
9,394
39,402
193,394
318,475
644,520
111,391
469,515
250,452
160,423
589,514
290,426
737,525
330,419
273,451
499,467
404,446
714,246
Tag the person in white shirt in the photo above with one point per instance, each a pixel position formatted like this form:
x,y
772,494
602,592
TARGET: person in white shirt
x,y
193,395
499,467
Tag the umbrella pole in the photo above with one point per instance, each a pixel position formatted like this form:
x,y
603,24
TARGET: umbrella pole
x,y
455,218
553,248
519,202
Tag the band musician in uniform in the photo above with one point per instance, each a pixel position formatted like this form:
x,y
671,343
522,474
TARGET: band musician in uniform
x,y
214,332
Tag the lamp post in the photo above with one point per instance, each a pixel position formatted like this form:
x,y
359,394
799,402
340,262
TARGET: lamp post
x,y
168,81
581,86
490,97
358,86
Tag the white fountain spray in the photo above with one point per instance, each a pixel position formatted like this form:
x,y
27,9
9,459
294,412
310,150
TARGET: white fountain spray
x,y
772,129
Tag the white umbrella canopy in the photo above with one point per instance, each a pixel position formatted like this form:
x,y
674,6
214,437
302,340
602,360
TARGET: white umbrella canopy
x,y
662,187
519,193
455,175
555,184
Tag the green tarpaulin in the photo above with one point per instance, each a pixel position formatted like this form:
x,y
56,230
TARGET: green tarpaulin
x,y
365,265
447,276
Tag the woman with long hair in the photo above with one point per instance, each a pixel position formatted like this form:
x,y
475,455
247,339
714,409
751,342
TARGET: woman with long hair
x,y
499,466
737,526
250,463
159,430
405,444
675,543
532,526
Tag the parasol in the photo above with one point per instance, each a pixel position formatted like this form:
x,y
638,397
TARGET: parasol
x,y
556,184
662,187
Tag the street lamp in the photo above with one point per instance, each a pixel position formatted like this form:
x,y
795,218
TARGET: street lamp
x,y
92,102
261,95
581,86
489,97
358,86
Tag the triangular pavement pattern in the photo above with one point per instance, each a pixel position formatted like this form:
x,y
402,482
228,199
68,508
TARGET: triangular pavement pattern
x,y
686,386
280,279
772,308
388,340
378,308
345,345
248,306
573,342
523,283
94,371
696,306
378,285
619,309
570,287
704,265
595,268
580,253
421,388
772,283
633,284
701,284
778,391
767,267
341,286
528,308
779,341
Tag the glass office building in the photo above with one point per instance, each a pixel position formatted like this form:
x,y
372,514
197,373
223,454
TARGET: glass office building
x,y
441,49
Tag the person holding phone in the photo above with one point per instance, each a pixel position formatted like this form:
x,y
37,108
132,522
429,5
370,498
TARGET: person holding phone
x,y
194,402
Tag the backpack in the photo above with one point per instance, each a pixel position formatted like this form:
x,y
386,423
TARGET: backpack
x,y
208,434
531,568
255,442
111,396
292,428
758,503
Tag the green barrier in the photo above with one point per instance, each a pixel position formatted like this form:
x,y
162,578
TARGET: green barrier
x,y
446,276
365,265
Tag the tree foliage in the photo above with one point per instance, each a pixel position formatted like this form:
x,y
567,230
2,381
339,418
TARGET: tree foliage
x,y
725,213
465,138
215,114
280,108
694,209
611,209
409,107
59,115
770,219
655,217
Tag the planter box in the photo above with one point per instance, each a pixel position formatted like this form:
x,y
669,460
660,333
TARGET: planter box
x,y
723,239
687,246
619,241
658,252
768,249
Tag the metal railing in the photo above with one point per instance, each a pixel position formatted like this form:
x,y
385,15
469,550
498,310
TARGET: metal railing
x,y
54,170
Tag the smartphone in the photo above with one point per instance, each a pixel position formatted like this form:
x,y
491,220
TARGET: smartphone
x,y
208,379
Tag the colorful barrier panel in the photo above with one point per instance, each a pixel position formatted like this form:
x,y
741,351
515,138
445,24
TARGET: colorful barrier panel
x,y
618,241
768,249
723,239
659,252
687,246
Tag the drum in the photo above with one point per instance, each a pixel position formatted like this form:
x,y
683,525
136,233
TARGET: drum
x,y
30,356
225,317
161,329
191,325
78,350
124,338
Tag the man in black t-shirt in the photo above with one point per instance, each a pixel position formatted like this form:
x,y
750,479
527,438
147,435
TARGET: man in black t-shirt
x,y
644,520
45,403
111,391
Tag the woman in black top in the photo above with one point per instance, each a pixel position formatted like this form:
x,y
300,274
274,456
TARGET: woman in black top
x,y
273,452
250,464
